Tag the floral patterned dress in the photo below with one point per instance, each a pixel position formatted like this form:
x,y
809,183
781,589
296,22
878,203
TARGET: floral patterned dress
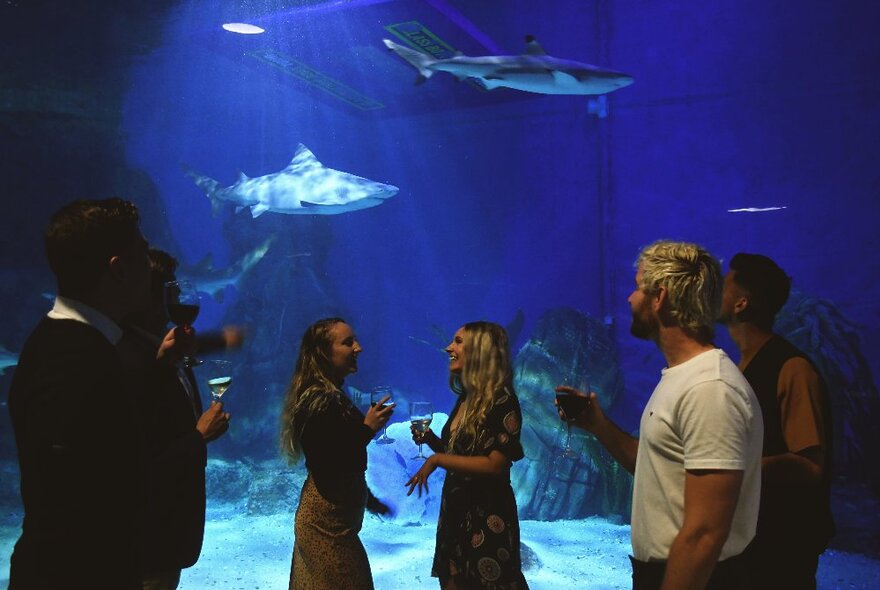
x,y
478,530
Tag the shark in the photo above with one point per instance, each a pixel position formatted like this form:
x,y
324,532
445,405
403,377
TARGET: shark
x,y
533,71
207,279
7,359
305,186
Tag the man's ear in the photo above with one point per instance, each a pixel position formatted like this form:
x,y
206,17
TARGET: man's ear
x,y
116,267
741,305
660,299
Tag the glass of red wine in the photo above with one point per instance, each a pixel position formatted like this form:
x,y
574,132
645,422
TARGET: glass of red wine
x,y
570,406
182,306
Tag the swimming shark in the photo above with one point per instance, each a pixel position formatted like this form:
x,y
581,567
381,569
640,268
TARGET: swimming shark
x,y
207,279
533,71
7,359
305,186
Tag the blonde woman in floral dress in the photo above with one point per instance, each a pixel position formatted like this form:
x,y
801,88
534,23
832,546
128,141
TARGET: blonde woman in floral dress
x,y
478,544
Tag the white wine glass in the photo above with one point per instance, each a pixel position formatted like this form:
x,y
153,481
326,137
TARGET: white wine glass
x,y
376,395
420,416
219,374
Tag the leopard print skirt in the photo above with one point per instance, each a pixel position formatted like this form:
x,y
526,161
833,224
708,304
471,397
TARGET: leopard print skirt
x,y
327,552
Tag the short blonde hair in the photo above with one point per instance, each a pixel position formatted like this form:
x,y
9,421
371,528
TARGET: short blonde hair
x,y
692,280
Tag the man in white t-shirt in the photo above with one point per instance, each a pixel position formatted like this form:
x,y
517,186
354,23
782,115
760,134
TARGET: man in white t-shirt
x,y
697,459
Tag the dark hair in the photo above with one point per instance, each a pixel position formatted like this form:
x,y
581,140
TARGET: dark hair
x,y
82,237
163,267
767,285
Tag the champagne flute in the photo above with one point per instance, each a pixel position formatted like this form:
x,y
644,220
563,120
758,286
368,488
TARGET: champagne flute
x,y
571,406
420,416
376,395
219,375
182,306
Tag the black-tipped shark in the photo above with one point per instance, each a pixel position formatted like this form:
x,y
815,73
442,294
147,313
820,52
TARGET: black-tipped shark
x,y
305,186
533,71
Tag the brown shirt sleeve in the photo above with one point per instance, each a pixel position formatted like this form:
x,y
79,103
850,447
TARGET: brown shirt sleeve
x,y
799,390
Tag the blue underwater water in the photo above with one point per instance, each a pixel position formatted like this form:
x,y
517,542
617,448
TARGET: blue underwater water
x,y
748,128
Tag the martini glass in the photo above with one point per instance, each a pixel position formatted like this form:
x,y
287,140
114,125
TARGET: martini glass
x,y
219,375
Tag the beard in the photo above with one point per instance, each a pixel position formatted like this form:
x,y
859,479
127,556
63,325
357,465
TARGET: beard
x,y
644,327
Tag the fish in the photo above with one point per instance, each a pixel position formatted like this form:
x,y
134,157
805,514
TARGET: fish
x,y
305,186
7,359
533,71
756,209
206,279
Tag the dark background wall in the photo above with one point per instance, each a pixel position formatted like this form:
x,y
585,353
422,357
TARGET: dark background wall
x,y
749,104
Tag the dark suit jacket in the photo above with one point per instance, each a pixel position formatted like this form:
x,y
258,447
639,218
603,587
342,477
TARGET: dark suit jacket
x,y
79,451
176,456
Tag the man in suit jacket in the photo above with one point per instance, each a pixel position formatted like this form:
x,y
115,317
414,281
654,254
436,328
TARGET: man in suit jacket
x,y
77,436
176,432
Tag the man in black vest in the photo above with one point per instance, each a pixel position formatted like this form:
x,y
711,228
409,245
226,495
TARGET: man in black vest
x,y
794,523
73,413
176,431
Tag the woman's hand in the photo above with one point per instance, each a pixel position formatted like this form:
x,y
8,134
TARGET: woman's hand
x,y
378,415
421,437
420,479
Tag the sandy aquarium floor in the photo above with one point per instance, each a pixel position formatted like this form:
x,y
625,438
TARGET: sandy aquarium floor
x,y
253,553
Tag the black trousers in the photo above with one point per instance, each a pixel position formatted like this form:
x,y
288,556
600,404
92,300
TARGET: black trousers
x,y
781,567
730,574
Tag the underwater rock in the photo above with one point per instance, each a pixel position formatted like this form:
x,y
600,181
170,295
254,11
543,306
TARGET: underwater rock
x,y
227,481
528,558
831,341
274,488
566,347
390,465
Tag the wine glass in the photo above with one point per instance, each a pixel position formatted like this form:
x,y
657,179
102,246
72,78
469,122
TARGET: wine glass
x,y
420,416
219,375
376,395
571,406
182,306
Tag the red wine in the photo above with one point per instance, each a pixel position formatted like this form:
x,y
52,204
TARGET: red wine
x,y
183,314
571,405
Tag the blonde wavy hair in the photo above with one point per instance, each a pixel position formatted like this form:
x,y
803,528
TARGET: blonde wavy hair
x,y
310,390
485,374
693,282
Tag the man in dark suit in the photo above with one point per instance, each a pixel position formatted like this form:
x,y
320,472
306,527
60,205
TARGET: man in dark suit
x,y
176,432
73,413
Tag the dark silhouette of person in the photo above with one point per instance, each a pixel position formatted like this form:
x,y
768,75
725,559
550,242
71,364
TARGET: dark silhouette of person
x,y
176,432
73,413
794,521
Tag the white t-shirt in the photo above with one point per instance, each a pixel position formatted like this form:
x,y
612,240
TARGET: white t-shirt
x,y
702,415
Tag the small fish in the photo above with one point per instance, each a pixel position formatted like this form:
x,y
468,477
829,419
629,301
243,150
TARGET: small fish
x,y
755,209
7,359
